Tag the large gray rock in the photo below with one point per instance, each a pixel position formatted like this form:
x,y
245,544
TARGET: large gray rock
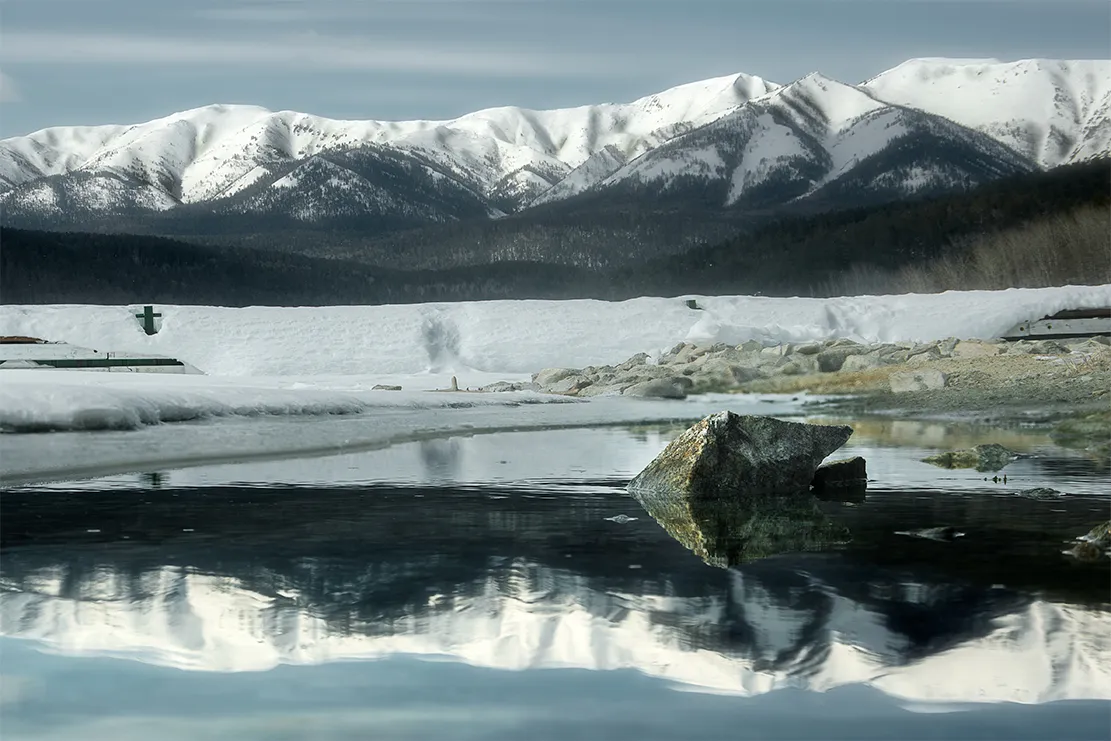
x,y
728,454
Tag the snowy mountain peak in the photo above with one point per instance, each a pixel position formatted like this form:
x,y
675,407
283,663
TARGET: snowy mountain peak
x,y
796,137
1053,111
197,154
824,103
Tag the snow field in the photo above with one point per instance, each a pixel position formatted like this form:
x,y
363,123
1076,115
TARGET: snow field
x,y
522,337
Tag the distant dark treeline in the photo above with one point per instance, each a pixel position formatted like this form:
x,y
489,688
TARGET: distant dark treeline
x,y
948,242
55,267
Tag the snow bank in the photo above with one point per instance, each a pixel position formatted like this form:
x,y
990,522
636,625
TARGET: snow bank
x,y
40,401
523,336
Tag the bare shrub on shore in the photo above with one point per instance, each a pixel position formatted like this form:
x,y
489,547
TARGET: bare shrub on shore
x,y
1072,248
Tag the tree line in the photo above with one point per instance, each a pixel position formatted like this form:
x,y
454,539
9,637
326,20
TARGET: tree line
x,y
1040,229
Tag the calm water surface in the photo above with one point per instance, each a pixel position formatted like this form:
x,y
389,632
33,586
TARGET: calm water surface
x,y
504,586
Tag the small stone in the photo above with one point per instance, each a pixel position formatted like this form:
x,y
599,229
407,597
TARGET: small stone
x,y
926,354
638,359
810,348
841,473
675,387
860,363
549,376
569,385
789,369
830,361
387,387
1040,492
923,380
984,458
975,349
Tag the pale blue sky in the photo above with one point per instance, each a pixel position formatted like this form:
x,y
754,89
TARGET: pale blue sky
x,y
124,61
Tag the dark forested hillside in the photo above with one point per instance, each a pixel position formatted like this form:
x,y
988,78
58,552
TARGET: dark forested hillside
x,y
55,267
808,255
1031,230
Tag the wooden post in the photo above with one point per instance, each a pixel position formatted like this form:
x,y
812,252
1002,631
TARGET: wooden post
x,y
147,317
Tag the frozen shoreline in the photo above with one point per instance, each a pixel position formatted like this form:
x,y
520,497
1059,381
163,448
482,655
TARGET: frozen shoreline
x,y
31,458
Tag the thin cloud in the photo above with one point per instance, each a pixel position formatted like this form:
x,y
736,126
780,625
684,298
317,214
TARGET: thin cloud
x,y
302,52
9,91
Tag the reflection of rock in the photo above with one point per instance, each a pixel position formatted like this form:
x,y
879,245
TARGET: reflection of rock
x,y
441,457
739,528
732,455
1094,544
1099,536
1085,551
1040,492
934,533
991,457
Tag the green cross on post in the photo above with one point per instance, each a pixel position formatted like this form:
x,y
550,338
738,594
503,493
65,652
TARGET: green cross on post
x,y
147,317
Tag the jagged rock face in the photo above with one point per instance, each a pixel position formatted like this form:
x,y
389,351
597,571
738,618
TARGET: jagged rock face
x,y
728,454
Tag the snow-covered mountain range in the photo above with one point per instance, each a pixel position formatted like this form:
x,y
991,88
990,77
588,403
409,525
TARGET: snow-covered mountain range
x,y
731,142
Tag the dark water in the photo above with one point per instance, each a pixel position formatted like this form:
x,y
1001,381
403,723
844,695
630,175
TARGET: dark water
x,y
423,596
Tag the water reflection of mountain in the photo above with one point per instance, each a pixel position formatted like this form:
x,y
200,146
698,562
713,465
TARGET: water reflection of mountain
x,y
240,579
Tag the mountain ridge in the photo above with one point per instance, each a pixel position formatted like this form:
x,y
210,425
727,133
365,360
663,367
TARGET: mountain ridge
x,y
739,146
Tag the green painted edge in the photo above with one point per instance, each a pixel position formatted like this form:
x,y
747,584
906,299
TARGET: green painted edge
x,y
106,362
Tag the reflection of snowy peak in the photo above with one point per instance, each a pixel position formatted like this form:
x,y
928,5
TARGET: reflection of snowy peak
x,y
926,125
528,616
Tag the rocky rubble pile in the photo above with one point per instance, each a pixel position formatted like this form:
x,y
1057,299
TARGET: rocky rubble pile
x,y
833,365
